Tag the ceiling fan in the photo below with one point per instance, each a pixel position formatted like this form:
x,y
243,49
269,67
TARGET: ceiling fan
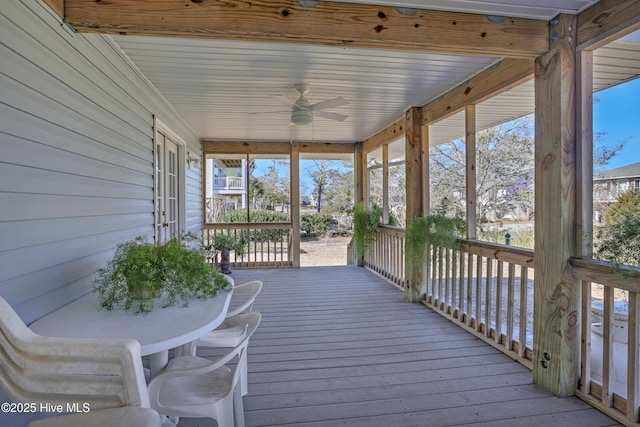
x,y
303,112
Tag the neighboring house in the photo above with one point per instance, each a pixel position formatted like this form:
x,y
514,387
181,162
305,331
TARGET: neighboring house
x,y
227,188
610,184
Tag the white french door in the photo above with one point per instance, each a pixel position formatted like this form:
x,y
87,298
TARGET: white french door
x,y
167,188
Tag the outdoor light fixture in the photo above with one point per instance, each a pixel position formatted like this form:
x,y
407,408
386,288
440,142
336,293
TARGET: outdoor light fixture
x,y
192,161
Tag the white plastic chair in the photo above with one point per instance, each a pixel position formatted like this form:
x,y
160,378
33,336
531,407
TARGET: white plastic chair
x,y
228,336
250,292
103,373
196,387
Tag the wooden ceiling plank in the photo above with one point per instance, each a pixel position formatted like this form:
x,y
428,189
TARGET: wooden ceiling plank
x,y
506,75
328,23
606,21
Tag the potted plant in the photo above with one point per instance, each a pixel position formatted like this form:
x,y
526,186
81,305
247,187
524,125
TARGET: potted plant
x,y
226,243
141,273
437,230
365,226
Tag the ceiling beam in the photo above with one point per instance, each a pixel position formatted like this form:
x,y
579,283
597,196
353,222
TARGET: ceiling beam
x,y
246,147
507,74
387,135
270,147
328,23
606,21
57,6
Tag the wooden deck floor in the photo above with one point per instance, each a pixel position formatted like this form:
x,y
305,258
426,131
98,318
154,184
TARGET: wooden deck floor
x,y
338,346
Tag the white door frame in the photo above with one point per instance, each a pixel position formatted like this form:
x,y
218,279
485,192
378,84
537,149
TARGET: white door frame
x,y
161,128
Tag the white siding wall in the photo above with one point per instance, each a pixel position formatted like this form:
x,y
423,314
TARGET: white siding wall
x,y
76,157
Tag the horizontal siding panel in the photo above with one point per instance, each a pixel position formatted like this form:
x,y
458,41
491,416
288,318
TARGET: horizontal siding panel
x,y
36,155
22,234
26,99
23,125
76,157
46,83
41,257
17,207
23,288
70,62
37,181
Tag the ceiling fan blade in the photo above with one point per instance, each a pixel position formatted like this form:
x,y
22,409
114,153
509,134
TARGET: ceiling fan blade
x,y
329,103
270,112
331,116
284,100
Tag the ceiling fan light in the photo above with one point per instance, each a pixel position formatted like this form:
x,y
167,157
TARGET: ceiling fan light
x,y
301,117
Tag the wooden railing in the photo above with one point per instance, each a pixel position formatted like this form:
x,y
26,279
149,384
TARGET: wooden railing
x,y
484,287
385,256
610,353
268,244
488,289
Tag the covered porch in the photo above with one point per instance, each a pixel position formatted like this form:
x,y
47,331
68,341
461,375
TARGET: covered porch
x,y
94,126
339,346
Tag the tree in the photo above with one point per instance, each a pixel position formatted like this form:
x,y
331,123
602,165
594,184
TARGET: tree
x,y
323,173
504,172
340,195
271,189
619,240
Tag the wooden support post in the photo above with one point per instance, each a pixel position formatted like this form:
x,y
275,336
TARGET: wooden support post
x,y
426,195
385,184
584,201
557,296
414,288
359,171
295,204
470,141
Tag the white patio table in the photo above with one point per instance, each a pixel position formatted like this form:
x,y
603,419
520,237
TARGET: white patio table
x,y
157,331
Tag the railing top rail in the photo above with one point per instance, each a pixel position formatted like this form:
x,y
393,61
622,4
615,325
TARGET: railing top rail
x,y
500,252
248,225
392,229
605,273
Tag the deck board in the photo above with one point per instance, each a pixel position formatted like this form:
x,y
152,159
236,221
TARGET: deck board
x,y
338,346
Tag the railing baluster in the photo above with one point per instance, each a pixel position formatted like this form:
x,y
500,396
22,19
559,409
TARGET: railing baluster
x,y
461,283
469,289
586,348
633,358
607,346
510,305
499,277
441,300
454,280
478,313
522,324
487,300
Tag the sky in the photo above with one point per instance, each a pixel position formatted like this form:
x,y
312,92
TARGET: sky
x,y
616,111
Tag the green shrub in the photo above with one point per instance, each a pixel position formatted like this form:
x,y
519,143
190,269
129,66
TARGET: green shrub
x,y
141,273
259,215
365,227
316,224
436,230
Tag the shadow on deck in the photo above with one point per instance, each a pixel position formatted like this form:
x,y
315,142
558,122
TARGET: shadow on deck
x,y
339,346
